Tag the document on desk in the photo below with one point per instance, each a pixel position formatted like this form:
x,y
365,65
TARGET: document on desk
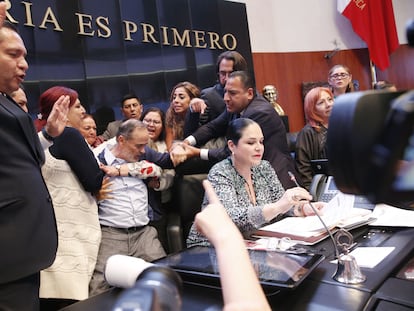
x,y
390,216
338,213
369,257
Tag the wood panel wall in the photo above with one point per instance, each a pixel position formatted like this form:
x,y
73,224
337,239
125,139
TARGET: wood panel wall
x,y
287,71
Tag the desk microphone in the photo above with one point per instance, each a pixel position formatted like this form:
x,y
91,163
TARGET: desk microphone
x,y
347,271
293,178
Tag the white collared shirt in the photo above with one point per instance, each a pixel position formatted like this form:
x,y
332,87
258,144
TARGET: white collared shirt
x,y
129,205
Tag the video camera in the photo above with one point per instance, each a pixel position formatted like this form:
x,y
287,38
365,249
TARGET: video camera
x,y
149,287
371,143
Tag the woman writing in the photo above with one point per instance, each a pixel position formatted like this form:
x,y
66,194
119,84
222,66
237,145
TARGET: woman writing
x,y
248,187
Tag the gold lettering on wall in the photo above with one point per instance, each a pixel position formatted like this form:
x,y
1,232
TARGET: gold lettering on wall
x,y
50,18
214,41
229,41
130,28
164,34
145,32
183,40
28,10
85,21
8,16
148,32
200,41
103,24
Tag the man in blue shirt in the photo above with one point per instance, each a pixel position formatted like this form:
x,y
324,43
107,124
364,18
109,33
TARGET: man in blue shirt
x,y
124,213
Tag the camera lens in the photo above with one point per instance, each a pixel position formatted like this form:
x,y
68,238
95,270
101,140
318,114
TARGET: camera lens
x,y
166,283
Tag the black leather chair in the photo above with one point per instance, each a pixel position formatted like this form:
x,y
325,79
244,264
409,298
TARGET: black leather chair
x,y
188,193
291,141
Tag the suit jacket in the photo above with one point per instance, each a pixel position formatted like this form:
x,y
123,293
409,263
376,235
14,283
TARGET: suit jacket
x,y
213,97
276,150
28,235
112,129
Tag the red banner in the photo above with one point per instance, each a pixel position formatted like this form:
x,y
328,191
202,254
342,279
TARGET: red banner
x,y
374,22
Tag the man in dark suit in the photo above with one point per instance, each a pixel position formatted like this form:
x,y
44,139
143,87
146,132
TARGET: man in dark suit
x,y
211,103
242,100
28,236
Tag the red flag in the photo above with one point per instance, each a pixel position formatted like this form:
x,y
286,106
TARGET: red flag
x,y
374,22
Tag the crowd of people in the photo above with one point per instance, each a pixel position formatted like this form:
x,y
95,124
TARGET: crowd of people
x,y
72,198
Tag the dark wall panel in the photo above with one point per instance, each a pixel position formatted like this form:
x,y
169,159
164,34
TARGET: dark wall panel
x,y
104,49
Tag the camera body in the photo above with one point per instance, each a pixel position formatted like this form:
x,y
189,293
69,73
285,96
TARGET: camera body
x,y
371,145
149,287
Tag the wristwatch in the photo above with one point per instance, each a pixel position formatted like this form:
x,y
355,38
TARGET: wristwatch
x,y
118,167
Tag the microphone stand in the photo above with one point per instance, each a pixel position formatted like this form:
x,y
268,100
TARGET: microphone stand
x,y
347,271
293,178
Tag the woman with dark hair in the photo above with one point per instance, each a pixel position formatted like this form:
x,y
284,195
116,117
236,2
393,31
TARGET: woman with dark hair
x,y
72,175
180,98
248,187
159,194
311,140
88,130
340,80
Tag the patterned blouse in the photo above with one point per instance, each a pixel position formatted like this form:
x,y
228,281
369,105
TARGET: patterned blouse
x,y
230,188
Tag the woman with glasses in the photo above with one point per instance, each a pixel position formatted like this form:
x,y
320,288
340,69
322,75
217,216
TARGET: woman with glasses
x,y
311,140
340,80
159,194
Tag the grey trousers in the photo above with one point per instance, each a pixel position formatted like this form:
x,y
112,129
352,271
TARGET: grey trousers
x,y
142,243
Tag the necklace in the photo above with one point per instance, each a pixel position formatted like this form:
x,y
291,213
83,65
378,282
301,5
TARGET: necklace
x,y
250,191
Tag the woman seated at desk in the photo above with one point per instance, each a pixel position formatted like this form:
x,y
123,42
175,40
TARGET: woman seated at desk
x,y
248,187
311,140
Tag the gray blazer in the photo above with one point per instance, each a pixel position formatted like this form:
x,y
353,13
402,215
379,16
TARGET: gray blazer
x,y
111,129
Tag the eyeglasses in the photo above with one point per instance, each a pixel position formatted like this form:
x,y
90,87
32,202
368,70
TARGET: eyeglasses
x,y
149,121
340,75
224,73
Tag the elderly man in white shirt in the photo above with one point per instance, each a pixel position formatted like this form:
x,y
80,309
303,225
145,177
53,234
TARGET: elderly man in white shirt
x,y
124,214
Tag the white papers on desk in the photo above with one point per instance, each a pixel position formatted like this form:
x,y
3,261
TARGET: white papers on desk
x,y
369,257
339,212
391,216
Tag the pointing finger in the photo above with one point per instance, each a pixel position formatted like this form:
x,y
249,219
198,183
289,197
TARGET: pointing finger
x,y
211,194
